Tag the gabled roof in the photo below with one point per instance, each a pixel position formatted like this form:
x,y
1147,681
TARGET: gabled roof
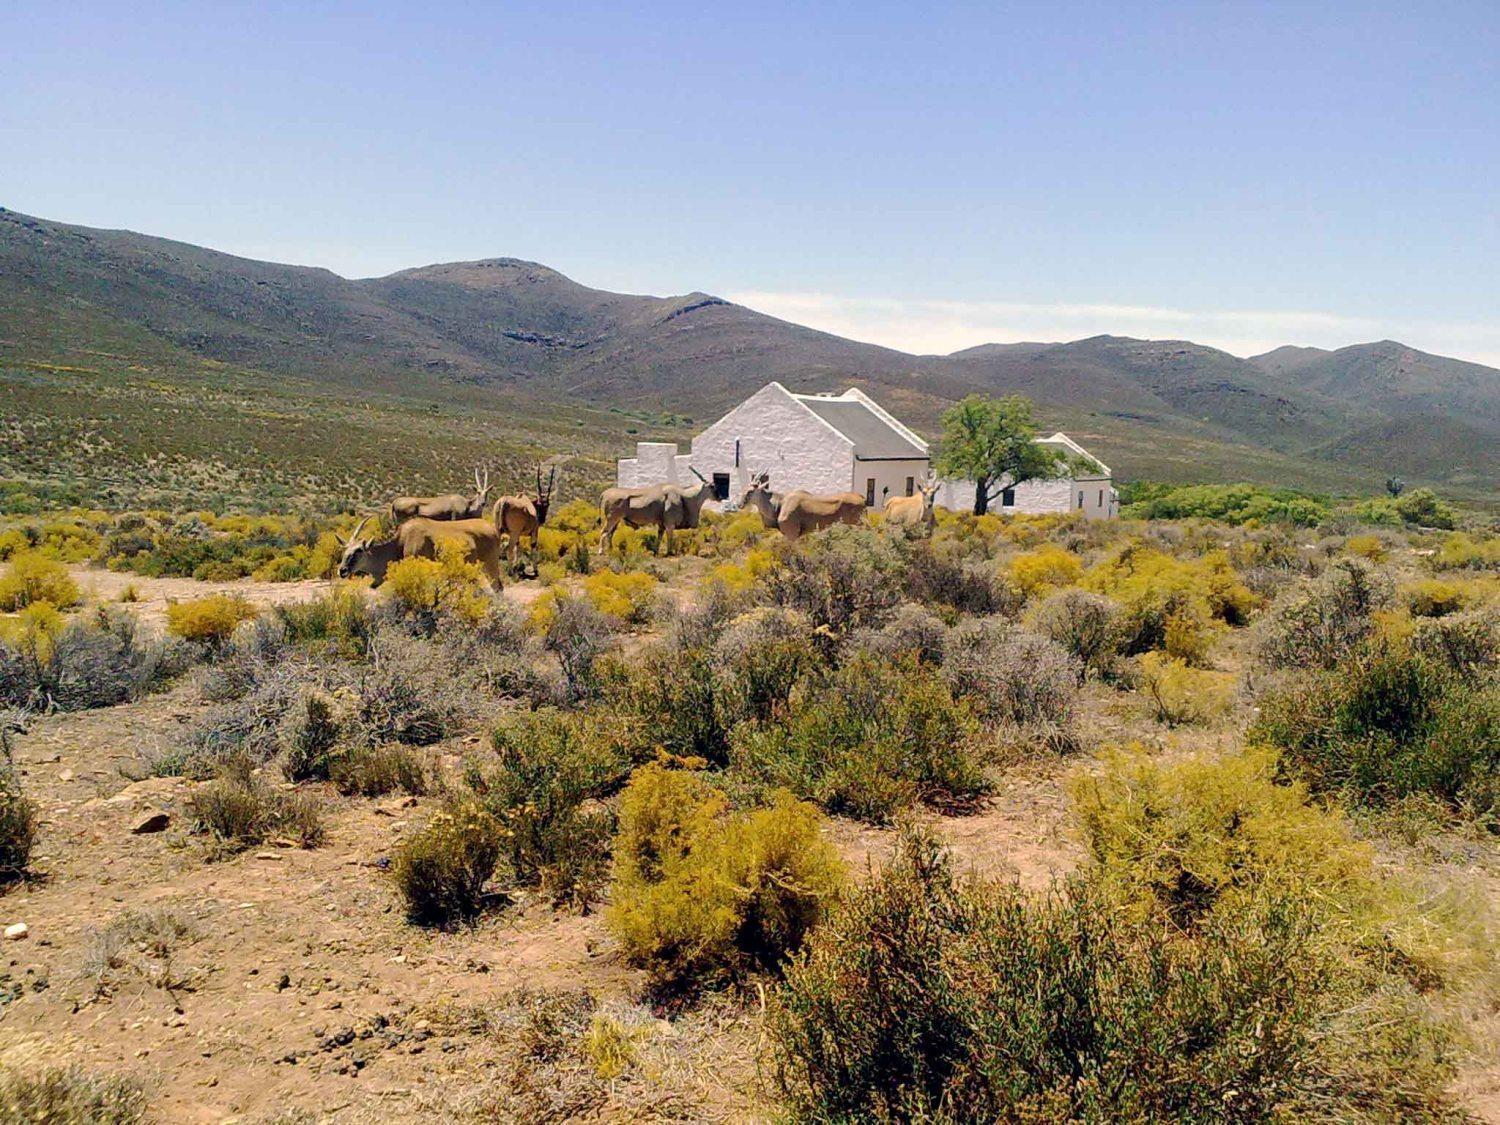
x,y
1063,440
875,434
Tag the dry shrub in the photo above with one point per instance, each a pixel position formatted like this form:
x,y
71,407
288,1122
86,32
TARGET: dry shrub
x,y
442,869
868,739
842,579
1180,693
19,822
1086,625
208,621
68,1096
30,577
757,661
1319,626
942,573
309,735
578,634
413,691
1434,597
339,622
1468,643
702,894
913,631
1015,679
240,809
374,771
98,659
140,945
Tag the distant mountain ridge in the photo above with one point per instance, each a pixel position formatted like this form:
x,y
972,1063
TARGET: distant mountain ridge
x,y
518,325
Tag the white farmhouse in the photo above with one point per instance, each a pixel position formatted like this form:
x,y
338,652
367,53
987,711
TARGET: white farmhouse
x,y
838,443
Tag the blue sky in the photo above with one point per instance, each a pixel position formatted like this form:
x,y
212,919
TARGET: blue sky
x,y
929,177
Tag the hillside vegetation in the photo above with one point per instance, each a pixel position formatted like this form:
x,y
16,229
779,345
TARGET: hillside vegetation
x,y
503,338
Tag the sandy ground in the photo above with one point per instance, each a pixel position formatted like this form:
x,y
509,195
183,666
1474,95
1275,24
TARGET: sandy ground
x,y
301,984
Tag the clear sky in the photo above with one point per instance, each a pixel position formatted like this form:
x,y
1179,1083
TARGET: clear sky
x,y
927,176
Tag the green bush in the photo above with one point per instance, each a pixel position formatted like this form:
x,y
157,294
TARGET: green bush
x,y
309,736
1086,625
665,694
1231,503
925,998
757,661
1468,643
868,739
1388,724
441,870
702,894
338,622
544,787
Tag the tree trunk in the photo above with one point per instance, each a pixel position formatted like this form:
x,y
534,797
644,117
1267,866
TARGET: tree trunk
x,y
981,497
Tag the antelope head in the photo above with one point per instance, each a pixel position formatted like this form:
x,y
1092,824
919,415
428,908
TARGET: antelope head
x,y
481,490
356,557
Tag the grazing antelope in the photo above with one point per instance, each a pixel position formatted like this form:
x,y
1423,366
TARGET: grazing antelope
x,y
917,510
451,507
518,517
800,511
419,538
665,507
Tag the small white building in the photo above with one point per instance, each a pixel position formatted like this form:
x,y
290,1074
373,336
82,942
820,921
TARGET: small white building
x,y
839,443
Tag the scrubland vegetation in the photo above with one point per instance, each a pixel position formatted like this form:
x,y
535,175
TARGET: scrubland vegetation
x,y
1266,710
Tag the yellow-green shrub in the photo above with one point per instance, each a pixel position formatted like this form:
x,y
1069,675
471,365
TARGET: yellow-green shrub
x,y
1183,694
32,577
701,893
1366,547
739,577
1046,568
1153,587
209,620
13,540
1461,550
33,630
1201,835
1434,597
627,595
447,586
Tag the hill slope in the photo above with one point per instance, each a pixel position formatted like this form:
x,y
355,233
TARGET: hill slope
x,y
511,328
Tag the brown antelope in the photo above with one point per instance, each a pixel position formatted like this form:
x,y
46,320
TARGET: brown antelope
x,y
518,517
420,538
917,510
800,511
451,507
665,507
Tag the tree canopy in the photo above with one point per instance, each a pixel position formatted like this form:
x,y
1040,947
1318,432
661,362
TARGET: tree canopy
x,y
992,441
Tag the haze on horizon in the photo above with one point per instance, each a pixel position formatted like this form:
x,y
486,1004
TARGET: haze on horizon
x,y
1240,175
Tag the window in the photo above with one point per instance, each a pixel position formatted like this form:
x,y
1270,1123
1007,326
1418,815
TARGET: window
x,y
911,485
1080,498
870,493
721,486
1101,498
1008,498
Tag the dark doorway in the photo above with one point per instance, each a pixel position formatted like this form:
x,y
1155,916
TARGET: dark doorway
x,y
721,486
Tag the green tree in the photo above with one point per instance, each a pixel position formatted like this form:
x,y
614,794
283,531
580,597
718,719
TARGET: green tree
x,y
992,441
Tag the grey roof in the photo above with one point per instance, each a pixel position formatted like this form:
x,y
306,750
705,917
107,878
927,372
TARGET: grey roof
x,y
871,434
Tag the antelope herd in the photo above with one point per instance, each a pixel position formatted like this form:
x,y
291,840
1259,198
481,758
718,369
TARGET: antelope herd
x,y
421,523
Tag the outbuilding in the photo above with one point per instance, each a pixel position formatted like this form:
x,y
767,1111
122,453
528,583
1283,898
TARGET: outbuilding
x,y
844,442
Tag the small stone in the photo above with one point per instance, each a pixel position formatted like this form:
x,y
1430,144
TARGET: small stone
x,y
267,855
65,775
17,932
151,822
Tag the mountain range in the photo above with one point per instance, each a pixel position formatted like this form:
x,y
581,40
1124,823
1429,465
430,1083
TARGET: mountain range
x,y
502,326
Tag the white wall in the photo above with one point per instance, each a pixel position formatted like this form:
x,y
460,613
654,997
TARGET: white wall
x,y
888,474
654,462
1039,496
778,435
